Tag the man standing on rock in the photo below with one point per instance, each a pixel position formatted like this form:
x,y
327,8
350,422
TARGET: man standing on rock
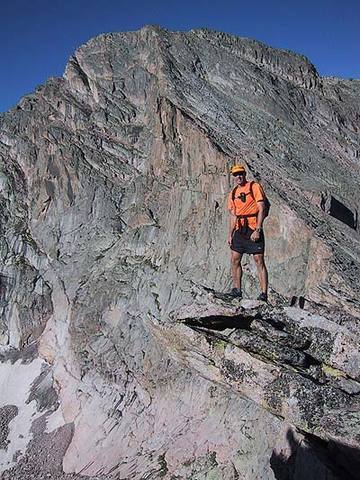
x,y
247,205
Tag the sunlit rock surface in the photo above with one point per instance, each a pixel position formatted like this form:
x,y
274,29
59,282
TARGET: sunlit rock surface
x,y
118,357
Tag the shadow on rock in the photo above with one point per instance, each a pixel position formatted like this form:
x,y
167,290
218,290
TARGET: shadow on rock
x,y
221,322
311,458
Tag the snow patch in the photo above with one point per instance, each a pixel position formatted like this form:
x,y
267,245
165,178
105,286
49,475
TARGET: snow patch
x,y
16,380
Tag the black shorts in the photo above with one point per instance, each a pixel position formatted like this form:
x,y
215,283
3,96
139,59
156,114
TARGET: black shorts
x,y
242,243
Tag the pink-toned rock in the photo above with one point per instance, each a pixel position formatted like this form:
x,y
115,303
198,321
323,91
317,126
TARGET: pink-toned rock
x,y
113,189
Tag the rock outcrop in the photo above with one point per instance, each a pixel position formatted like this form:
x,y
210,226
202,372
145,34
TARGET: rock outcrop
x,y
118,358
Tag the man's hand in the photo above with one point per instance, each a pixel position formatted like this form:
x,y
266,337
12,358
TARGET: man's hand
x,y
229,239
255,236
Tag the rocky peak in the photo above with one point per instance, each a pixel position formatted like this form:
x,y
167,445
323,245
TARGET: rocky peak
x,y
282,63
113,189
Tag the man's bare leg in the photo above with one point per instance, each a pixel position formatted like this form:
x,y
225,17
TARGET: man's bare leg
x,y
236,270
261,271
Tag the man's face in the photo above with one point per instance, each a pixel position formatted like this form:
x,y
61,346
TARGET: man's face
x,y
240,178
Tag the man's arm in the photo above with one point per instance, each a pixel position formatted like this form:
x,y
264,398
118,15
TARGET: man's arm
x,y
232,226
255,236
261,214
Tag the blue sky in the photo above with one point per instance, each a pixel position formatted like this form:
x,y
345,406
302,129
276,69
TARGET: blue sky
x,y
38,36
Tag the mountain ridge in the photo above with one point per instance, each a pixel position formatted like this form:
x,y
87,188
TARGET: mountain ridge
x,y
113,246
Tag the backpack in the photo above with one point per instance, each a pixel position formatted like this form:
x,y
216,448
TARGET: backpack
x,y
267,203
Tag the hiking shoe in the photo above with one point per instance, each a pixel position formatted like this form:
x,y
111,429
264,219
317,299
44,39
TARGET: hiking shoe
x,y
262,297
236,293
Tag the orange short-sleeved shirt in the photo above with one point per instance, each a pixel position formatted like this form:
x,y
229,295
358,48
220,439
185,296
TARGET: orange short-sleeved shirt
x,y
238,207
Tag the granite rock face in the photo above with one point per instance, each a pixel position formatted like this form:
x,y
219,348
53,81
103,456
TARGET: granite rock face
x,y
118,358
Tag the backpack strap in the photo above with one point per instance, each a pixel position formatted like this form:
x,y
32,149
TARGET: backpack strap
x,y
233,193
251,189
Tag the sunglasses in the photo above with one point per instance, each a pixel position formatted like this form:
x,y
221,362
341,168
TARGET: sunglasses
x,y
239,174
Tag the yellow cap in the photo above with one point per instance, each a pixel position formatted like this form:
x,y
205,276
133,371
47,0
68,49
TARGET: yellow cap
x,y
237,169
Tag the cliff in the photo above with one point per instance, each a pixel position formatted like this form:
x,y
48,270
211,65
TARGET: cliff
x,y
118,357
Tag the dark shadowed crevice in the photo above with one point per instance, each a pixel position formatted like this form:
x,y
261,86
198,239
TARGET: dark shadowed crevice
x,y
338,210
220,322
341,212
314,457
